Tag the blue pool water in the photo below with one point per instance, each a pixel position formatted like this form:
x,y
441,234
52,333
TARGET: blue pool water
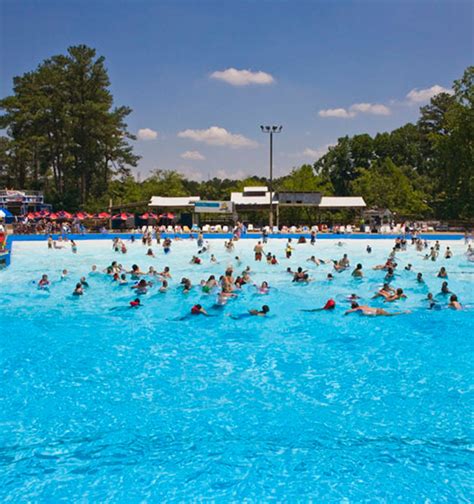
x,y
122,405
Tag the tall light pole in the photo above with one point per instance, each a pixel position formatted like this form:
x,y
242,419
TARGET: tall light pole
x,y
270,130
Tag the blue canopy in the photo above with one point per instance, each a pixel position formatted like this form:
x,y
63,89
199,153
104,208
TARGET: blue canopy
x,y
5,213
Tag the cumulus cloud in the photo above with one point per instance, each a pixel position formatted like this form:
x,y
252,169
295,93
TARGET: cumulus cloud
x,y
370,108
337,112
236,77
422,95
317,153
193,155
216,135
355,109
146,134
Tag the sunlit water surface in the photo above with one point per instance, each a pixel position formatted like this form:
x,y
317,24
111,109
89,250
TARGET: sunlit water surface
x,y
103,403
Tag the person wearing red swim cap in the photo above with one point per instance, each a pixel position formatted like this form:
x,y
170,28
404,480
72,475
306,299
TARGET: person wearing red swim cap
x,y
330,305
135,303
197,309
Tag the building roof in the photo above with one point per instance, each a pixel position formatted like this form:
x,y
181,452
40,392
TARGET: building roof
x,y
249,189
342,202
239,198
173,202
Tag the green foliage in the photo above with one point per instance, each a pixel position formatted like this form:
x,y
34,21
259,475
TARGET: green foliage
x,y
65,135
385,185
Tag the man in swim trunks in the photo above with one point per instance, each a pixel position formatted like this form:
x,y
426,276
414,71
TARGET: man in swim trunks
x,y
258,250
369,310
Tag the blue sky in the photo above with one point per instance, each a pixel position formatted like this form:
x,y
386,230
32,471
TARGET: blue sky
x,y
322,69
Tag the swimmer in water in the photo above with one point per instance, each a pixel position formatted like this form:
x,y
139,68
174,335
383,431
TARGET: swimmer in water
x,y
444,288
73,247
330,305
358,273
142,286
330,277
260,313
186,283
369,249
197,309
263,289
150,253
313,260
370,311
78,291
136,303
408,267
442,273
431,301
385,292
64,274
44,283
165,273
454,304
164,287
83,282
353,297
396,296
419,278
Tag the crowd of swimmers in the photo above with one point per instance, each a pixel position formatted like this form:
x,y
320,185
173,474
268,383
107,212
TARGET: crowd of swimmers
x,y
228,285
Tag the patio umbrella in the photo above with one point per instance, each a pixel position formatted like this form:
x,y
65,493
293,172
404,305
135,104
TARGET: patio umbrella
x,y
31,215
148,215
102,215
62,214
122,216
167,215
53,216
81,215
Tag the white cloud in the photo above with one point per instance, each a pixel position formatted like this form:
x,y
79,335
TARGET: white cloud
x,y
422,95
317,153
355,109
370,108
242,77
216,135
338,112
146,134
233,175
193,155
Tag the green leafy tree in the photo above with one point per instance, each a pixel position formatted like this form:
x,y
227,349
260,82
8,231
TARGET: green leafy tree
x,y
385,185
62,124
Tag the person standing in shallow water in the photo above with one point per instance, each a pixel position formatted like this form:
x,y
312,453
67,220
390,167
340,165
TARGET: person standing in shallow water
x,y
258,250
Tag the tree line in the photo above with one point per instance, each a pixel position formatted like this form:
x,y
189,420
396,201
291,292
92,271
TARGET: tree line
x,y
65,136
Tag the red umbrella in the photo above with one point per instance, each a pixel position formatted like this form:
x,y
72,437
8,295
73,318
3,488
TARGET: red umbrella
x,y
31,216
102,215
62,214
81,215
122,216
148,215
53,216
168,215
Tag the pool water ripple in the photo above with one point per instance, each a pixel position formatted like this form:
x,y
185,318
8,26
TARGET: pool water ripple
x,y
134,406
